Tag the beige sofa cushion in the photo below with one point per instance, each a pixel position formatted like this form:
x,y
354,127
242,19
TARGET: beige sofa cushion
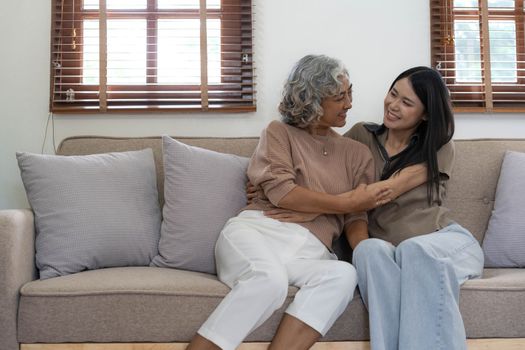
x,y
493,306
141,304
146,304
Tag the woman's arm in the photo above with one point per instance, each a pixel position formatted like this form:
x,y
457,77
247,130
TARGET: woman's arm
x,y
290,215
271,169
404,180
362,198
355,232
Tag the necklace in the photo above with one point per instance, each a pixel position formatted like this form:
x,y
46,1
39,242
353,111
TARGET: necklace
x,y
325,153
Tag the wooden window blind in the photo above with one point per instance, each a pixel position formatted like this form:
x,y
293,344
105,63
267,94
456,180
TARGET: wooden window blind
x,y
152,55
479,48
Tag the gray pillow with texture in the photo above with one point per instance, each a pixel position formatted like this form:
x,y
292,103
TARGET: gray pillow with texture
x,y
92,211
202,190
504,242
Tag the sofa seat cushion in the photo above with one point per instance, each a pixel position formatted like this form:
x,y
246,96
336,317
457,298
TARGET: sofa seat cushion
x,y
493,306
141,304
150,304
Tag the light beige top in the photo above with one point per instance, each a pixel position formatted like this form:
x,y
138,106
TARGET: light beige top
x,y
287,156
410,214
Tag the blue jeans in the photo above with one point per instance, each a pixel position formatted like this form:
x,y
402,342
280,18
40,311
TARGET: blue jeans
x,y
412,291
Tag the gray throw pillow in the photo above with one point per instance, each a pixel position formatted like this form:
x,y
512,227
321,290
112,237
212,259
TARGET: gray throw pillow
x,y
504,242
92,211
202,190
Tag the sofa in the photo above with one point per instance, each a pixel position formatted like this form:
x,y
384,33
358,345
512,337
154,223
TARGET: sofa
x,y
143,307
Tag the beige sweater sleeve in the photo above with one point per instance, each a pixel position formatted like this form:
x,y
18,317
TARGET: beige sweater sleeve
x,y
271,167
364,173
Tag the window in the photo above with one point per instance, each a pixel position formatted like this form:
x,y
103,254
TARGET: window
x,y
152,55
479,48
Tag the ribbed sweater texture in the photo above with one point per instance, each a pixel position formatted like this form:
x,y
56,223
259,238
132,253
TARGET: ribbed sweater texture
x,y
287,156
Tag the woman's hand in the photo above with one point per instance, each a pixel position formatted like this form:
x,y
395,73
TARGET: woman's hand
x,y
286,215
366,197
383,190
251,193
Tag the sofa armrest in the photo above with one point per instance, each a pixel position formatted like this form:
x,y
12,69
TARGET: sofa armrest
x,y
17,267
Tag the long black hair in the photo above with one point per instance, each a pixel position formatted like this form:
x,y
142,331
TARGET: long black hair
x,y
434,131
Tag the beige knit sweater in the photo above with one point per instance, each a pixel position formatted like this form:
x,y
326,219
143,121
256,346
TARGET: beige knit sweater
x,y
287,157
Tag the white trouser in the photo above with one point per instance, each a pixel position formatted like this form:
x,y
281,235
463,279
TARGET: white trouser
x,y
258,258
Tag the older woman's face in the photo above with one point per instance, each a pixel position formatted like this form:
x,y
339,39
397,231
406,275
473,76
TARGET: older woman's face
x,y
335,108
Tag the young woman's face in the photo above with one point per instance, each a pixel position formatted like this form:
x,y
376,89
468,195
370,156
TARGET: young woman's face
x,y
335,107
403,109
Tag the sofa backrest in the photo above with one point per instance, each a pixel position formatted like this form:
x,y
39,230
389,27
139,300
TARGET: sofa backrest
x,y
81,145
471,190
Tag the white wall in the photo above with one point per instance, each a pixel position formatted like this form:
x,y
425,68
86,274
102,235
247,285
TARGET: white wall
x,y
376,39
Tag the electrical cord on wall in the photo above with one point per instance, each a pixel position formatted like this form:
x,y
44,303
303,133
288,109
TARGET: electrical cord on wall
x,y
51,117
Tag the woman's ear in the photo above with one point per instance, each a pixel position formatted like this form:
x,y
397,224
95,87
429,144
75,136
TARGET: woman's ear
x,y
425,118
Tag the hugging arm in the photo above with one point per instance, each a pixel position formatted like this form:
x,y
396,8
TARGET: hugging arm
x,y
391,188
404,180
415,175
360,199
271,169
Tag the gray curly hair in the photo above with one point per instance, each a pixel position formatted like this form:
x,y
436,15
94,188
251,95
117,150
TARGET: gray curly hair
x,y
312,79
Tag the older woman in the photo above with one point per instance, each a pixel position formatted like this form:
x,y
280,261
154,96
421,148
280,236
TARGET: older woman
x,y
303,165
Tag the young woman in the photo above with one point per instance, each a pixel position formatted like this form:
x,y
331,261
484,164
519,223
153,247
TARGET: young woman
x,y
411,270
303,165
